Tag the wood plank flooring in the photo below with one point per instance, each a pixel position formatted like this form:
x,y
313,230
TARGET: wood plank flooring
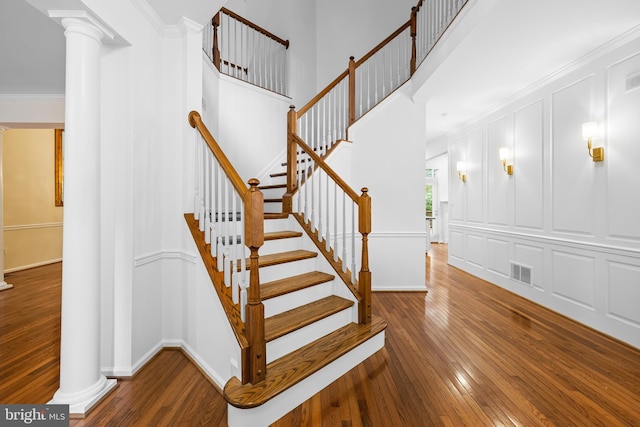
x,y
466,353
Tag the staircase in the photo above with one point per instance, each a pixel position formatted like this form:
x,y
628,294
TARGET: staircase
x,y
312,332
303,318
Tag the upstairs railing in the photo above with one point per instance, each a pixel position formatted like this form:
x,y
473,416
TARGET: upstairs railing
x,y
324,120
242,49
323,203
231,216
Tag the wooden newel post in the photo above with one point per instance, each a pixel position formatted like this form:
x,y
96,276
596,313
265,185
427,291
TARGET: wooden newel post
x,y
215,21
255,367
292,160
414,31
352,90
364,276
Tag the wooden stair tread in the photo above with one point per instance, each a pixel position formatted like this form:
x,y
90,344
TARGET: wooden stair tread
x,y
274,200
275,215
299,317
294,367
272,186
293,283
276,235
280,258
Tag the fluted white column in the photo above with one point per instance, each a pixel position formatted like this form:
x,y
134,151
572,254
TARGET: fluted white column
x,y
3,285
81,382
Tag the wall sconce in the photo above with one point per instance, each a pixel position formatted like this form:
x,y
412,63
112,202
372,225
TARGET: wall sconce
x,y
507,163
462,171
589,131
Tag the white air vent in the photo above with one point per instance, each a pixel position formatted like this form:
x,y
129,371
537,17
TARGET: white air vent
x,y
632,82
521,273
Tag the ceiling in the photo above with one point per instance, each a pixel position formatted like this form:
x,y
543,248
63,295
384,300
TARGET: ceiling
x,y
32,51
504,46
507,46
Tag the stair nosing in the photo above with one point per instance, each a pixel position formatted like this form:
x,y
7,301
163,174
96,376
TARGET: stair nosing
x,y
284,373
279,235
300,281
334,304
279,258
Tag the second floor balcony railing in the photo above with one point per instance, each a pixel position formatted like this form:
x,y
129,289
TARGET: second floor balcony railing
x,y
242,49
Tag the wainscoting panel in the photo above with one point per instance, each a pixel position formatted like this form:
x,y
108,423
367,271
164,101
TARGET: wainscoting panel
x,y
498,182
498,256
474,184
624,292
622,150
456,245
572,168
528,165
574,277
533,257
475,250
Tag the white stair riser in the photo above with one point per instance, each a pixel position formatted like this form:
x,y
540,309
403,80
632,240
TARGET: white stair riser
x,y
280,245
294,340
273,306
287,269
273,207
273,193
276,408
279,224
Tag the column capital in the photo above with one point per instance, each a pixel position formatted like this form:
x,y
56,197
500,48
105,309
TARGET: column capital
x,y
83,22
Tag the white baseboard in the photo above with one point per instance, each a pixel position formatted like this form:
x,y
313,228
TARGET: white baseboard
x,y
126,372
37,264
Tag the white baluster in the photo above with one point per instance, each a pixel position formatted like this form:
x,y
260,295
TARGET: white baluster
x,y
235,294
207,198
344,233
335,221
353,242
328,216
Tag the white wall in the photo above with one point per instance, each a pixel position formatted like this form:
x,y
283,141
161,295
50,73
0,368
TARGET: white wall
x,y
249,123
292,20
388,158
573,221
353,28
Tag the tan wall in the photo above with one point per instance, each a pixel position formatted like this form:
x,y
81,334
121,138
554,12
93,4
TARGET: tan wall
x,y
32,222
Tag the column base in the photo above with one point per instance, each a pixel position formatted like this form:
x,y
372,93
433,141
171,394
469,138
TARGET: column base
x,y
80,403
4,286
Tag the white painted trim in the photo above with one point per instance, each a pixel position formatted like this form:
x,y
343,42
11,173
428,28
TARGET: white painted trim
x,y
123,372
399,234
149,13
32,226
544,239
37,264
4,286
204,366
31,97
162,255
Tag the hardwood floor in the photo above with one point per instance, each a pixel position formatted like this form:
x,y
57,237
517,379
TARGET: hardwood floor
x,y
466,353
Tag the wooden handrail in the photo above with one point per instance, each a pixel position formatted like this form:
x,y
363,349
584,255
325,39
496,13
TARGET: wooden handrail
x,y
196,122
254,366
383,43
323,92
256,27
323,165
